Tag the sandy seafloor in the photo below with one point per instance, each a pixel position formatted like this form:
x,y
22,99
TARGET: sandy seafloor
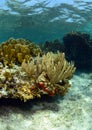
x,y
73,112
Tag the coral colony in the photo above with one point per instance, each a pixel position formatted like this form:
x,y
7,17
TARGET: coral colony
x,y
26,73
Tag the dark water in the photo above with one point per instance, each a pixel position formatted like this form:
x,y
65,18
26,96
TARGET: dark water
x,y
41,20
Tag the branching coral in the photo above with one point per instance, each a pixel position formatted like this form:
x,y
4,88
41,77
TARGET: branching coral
x,y
25,74
50,73
16,50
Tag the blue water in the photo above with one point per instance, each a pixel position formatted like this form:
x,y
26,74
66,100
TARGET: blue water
x,y
41,20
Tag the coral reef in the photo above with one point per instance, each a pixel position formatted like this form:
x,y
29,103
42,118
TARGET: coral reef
x,y
48,74
52,46
16,50
78,48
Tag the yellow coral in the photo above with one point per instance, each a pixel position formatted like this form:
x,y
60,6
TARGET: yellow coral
x,y
7,75
20,57
24,93
36,76
16,50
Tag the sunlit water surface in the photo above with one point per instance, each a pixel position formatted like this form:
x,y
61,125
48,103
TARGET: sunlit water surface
x,y
41,20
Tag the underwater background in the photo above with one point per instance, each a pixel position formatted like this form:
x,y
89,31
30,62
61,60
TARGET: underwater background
x,y
41,20
64,25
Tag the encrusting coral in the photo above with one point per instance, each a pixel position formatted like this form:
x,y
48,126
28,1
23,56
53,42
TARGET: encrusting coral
x,y
16,50
48,74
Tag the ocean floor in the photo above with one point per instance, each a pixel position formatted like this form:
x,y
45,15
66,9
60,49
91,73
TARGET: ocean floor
x,y
73,112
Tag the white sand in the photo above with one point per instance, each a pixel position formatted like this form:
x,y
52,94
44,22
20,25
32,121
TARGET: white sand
x,y
74,112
